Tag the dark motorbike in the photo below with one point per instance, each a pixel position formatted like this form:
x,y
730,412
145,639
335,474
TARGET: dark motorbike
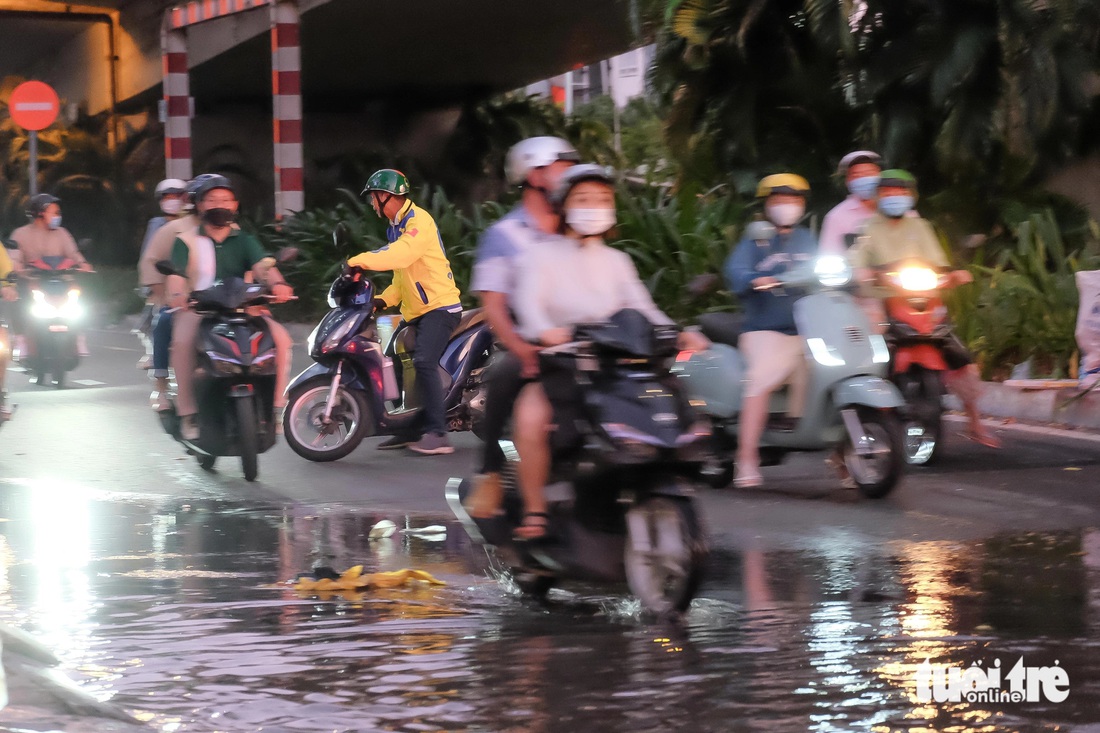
x,y
54,317
356,388
625,466
235,379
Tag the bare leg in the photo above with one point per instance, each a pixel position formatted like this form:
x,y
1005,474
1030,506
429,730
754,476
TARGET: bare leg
x,y
966,384
754,414
533,418
284,346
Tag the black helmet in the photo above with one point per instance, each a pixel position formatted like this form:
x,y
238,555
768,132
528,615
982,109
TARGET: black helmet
x,y
36,205
580,174
210,181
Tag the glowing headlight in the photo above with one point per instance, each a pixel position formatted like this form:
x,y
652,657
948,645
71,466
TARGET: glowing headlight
x,y
40,307
880,354
72,309
832,270
918,279
822,354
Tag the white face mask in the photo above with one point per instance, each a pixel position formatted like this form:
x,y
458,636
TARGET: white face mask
x,y
171,206
785,215
590,222
54,222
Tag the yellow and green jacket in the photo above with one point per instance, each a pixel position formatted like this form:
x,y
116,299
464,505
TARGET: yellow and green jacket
x,y
422,277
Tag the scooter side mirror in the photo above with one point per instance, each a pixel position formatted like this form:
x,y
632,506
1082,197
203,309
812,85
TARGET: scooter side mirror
x,y
341,235
165,267
704,284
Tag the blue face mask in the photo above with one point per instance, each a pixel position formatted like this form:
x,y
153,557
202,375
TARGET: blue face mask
x,y
864,187
54,222
896,206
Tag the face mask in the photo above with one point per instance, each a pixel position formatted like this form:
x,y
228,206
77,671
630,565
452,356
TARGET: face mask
x,y
895,206
590,222
784,215
864,187
171,206
219,217
54,222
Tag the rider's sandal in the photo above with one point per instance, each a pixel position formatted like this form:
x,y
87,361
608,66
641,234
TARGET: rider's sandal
x,y
535,526
985,439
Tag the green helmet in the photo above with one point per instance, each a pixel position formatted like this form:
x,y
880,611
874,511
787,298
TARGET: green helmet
x,y
897,178
389,181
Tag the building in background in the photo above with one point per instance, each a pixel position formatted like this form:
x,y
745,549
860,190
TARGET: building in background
x,y
622,77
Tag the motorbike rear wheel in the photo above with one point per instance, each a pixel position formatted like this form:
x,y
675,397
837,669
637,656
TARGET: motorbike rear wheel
x,y
923,420
206,463
302,421
248,437
664,554
879,469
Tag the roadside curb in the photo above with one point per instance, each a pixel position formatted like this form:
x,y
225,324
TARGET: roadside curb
x,y
1046,404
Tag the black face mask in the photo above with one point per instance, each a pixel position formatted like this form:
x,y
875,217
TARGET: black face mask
x,y
219,217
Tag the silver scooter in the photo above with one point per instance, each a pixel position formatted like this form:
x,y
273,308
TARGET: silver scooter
x,y
849,405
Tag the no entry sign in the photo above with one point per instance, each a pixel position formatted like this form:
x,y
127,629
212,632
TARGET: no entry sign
x,y
33,105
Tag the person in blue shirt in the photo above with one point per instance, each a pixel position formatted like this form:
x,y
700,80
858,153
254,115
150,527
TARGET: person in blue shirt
x,y
769,342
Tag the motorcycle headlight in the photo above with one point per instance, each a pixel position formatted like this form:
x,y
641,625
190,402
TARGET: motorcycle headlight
x,y
918,279
72,309
633,443
338,334
832,270
880,353
40,307
223,366
822,354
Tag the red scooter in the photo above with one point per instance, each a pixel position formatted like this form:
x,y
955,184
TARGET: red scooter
x,y
917,333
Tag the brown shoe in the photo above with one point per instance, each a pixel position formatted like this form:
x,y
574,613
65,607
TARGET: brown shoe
x,y
484,501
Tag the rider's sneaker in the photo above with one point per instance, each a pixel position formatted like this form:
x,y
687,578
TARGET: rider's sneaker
x,y
189,428
278,418
397,441
145,362
432,444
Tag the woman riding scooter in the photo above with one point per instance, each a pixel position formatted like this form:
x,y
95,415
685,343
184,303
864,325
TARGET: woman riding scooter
x,y
769,343
572,280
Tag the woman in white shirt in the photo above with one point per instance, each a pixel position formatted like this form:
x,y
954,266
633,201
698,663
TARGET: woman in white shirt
x,y
573,279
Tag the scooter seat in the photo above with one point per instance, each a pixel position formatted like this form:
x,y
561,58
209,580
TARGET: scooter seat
x,y
722,328
405,340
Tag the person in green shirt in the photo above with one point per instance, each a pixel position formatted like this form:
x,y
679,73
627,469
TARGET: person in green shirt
x,y
214,251
895,233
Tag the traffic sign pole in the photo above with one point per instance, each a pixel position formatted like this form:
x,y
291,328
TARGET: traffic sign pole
x,y
34,162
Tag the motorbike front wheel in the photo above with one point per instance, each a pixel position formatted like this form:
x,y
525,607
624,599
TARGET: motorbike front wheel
x,y
923,422
878,465
249,438
663,554
306,431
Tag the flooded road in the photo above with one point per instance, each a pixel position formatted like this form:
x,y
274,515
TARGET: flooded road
x,y
175,612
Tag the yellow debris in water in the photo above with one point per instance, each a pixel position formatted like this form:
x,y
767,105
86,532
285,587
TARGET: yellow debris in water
x,y
354,579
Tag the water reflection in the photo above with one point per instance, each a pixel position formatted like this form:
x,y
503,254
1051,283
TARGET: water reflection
x,y
169,610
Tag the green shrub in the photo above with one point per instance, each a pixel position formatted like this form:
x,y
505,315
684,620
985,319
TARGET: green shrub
x,y
1024,305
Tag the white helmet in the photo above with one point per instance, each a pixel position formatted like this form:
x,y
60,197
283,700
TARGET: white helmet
x,y
536,152
170,186
859,156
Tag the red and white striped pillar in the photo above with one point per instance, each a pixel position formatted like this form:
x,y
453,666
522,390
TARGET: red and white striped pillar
x,y
286,86
177,103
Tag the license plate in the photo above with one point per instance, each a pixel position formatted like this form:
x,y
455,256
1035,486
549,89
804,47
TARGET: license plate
x,y
59,328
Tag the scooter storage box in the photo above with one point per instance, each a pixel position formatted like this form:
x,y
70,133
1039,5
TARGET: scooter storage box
x,y
713,380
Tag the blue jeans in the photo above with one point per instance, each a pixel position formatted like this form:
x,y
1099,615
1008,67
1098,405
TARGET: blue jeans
x,y
162,342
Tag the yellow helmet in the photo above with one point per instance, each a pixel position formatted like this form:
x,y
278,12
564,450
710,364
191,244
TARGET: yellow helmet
x,y
786,183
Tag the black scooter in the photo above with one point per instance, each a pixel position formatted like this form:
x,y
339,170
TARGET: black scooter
x,y
623,507
54,316
355,389
235,379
